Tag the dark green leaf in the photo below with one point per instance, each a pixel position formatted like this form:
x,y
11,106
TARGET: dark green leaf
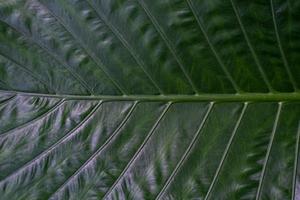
x,y
149,99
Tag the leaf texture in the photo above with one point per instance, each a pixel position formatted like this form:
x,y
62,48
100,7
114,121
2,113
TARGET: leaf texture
x,y
140,99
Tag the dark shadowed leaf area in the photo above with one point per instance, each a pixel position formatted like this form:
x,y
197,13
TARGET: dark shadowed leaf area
x,y
149,99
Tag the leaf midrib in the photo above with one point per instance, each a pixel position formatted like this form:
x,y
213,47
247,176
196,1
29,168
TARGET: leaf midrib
x,y
292,96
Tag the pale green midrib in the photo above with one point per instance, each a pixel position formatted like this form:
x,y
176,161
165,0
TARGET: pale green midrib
x,y
245,97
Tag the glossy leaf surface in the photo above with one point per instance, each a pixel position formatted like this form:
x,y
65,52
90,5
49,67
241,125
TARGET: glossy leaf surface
x,y
149,99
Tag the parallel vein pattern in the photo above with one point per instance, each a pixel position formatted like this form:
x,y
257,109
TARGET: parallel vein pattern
x,y
111,150
89,52
149,99
148,47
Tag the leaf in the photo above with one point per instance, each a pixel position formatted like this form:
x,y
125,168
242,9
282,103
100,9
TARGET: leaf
x,y
169,99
